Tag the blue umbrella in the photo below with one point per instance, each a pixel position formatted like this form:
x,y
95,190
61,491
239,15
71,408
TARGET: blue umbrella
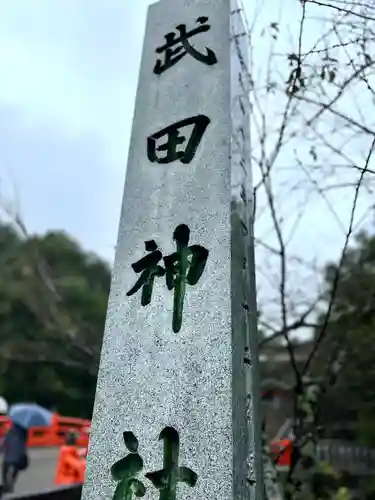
x,y
29,415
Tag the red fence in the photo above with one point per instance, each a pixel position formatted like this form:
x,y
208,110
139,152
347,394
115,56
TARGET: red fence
x,y
54,434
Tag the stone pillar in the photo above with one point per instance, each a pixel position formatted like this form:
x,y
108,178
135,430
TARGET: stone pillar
x,y
176,407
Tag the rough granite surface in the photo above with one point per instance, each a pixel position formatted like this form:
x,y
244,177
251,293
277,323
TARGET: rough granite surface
x,y
149,376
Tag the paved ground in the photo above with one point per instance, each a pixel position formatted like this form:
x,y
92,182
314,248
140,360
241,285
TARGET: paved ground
x,y
39,476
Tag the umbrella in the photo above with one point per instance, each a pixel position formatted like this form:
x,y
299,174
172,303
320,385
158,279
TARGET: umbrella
x,y
29,415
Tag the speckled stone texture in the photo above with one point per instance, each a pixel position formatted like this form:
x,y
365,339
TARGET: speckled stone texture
x,y
200,380
246,424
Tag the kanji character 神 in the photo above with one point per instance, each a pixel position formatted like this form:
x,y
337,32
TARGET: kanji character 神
x,y
184,266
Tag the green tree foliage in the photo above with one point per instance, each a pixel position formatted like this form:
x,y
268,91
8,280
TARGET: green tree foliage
x,y
350,336
52,313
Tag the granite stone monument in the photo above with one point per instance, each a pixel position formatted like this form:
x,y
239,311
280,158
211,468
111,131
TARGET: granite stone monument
x,y
176,407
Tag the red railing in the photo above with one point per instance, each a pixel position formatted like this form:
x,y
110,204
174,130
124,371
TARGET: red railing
x,y
54,434
4,425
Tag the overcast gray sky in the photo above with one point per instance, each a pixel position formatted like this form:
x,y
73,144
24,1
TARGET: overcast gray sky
x,y
68,76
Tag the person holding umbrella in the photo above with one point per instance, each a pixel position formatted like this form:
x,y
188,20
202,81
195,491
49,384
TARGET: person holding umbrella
x,y
22,416
15,456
